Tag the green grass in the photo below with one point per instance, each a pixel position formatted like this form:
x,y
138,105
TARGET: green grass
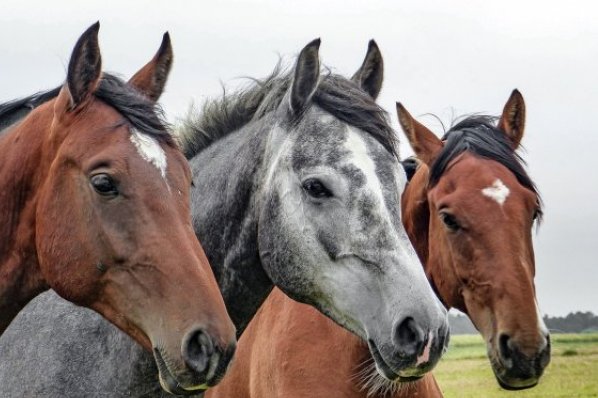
x,y
465,370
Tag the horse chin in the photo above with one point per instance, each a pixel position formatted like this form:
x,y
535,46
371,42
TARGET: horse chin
x,y
504,380
515,385
511,383
376,385
386,371
170,384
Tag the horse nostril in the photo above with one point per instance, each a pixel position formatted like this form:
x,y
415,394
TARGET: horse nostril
x,y
444,336
409,337
197,350
544,357
505,350
545,345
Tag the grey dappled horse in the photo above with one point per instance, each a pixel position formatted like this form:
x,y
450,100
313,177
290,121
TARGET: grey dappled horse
x,y
296,184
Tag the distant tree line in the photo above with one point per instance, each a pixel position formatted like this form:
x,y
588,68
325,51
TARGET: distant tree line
x,y
574,322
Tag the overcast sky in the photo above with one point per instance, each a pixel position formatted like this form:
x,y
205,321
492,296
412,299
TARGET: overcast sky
x,y
442,57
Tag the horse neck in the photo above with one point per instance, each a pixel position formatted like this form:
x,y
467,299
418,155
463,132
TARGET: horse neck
x,y
22,171
227,175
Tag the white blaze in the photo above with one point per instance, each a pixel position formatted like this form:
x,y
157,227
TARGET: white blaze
x,y
150,150
360,158
498,192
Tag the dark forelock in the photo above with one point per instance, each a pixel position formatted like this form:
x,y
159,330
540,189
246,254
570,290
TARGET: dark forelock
x,y
479,135
141,113
144,115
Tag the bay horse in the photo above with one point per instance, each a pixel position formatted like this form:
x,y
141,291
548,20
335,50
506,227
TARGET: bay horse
x,y
295,181
478,249
94,196
469,210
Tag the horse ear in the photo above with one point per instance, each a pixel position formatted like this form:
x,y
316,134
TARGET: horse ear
x,y
305,80
512,121
371,73
425,144
85,67
151,79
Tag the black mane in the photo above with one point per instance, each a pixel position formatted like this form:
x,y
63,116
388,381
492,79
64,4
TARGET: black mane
x,y
478,135
141,113
335,94
13,111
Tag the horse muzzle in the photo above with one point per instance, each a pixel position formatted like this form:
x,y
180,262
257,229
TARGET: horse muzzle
x,y
413,353
204,364
513,369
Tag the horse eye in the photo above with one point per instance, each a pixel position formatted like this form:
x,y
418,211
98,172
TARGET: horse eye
x,y
450,221
315,188
104,185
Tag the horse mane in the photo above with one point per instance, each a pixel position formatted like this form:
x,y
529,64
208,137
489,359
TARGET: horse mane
x,y
141,113
335,94
13,111
479,135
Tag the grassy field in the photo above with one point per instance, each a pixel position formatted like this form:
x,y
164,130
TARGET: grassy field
x,y
573,371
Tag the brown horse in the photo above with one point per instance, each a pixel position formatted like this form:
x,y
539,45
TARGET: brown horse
x,y
469,210
94,203
474,234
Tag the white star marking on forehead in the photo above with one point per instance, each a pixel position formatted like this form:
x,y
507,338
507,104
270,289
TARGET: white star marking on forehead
x,y
498,192
150,150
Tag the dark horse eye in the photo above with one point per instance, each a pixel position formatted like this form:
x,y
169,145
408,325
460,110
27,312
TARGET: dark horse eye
x,y
450,221
315,188
104,185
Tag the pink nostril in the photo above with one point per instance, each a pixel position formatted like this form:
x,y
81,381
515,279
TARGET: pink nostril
x,y
425,356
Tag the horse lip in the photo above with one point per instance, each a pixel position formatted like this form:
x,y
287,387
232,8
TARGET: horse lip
x,y
381,364
515,384
385,369
169,383
515,387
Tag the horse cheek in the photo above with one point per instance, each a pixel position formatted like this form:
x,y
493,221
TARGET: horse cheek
x,y
64,245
